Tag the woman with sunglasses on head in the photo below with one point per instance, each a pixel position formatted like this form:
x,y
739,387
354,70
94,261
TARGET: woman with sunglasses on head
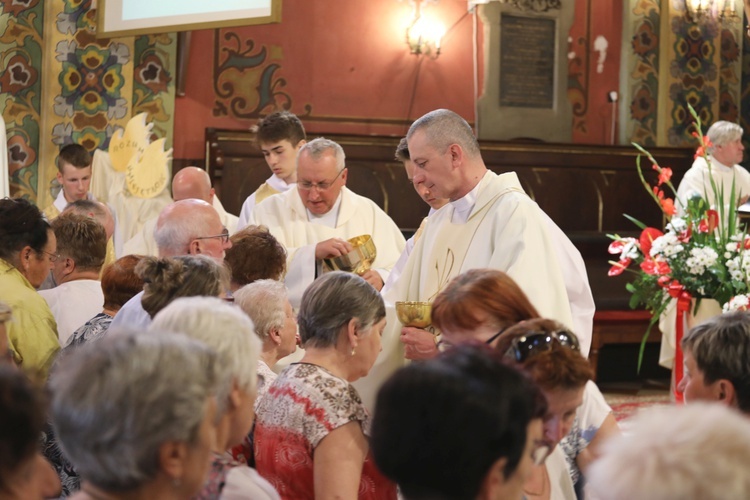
x,y
483,305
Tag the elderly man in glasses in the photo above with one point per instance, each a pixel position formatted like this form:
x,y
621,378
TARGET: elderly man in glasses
x,y
186,227
315,220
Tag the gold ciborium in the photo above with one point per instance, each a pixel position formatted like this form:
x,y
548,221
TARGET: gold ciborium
x,y
359,260
416,314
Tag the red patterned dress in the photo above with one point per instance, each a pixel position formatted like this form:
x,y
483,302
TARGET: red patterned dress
x,y
302,406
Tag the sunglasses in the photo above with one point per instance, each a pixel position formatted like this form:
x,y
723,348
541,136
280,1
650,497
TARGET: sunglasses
x,y
522,348
443,345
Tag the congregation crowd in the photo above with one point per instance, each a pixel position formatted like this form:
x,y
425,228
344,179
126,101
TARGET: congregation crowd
x,y
212,356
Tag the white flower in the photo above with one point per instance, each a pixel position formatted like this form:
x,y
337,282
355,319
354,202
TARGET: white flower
x,y
737,303
677,225
701,258
666,245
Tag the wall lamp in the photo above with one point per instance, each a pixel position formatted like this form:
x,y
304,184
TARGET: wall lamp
x,y
423,35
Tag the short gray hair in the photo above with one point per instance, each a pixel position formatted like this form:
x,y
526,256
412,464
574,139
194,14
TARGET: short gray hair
x,y
333,300
117,400
263,301
225,329
721,349
443,128
318,147
722,132
691,452
174,234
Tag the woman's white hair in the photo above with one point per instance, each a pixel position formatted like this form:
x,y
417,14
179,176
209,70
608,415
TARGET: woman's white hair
x,y
263,301
225,329
691,452
117,400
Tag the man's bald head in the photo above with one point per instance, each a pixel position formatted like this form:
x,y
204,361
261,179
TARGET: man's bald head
x,y
96,210
188,227
192,182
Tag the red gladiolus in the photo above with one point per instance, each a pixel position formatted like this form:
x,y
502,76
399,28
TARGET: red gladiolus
x,y
618,267
647,237
667,206
664,175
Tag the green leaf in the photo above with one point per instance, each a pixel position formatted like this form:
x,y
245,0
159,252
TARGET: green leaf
x,y
635,221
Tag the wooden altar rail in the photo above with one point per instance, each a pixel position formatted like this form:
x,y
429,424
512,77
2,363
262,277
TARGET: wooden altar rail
x,y
585,189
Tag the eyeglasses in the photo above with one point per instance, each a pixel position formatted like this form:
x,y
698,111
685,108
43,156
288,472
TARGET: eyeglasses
x,y
444,345
522,348
320,186
52,256
224,237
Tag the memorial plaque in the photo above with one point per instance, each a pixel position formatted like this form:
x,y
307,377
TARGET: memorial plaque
x,y
527,62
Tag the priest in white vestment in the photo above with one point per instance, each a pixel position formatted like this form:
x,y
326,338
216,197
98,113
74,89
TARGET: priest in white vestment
x,y
724,154
490,222
190,182
315,220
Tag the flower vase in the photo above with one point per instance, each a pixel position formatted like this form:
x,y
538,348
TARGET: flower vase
x,y
707,309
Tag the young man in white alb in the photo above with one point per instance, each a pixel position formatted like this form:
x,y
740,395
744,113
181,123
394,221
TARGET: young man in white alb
x,y
280,137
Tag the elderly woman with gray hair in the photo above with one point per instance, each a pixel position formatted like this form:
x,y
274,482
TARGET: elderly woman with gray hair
x,y
310,429
267,304
136,413
229,332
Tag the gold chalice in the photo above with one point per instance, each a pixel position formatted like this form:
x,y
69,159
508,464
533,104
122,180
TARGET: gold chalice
x,y
416,314
359,260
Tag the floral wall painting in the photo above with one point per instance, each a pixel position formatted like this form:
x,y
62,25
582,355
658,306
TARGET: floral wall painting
x,y
87,88
674,62
20,90
643,72
246,79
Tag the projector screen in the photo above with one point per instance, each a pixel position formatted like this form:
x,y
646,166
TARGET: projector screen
x,y
136,17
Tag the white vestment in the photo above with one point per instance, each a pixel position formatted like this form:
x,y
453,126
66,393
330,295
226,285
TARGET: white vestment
x,y
73,304
274,183
143,243
131,212
697,180
286,218
505,230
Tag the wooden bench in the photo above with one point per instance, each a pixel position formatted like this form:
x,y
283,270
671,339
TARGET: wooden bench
x,y
620,327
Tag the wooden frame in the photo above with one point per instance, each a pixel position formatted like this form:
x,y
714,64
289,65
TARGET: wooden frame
x,y
111,22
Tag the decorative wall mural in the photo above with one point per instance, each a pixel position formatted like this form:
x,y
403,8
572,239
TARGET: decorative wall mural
x,y
644,72
729,77
245,78
21,90
745,96
154,87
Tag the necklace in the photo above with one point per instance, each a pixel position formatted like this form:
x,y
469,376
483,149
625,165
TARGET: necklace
x,y
545,479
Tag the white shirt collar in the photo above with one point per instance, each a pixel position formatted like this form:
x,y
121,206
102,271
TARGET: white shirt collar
x,y
61,203
278,184
462,207
329,218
